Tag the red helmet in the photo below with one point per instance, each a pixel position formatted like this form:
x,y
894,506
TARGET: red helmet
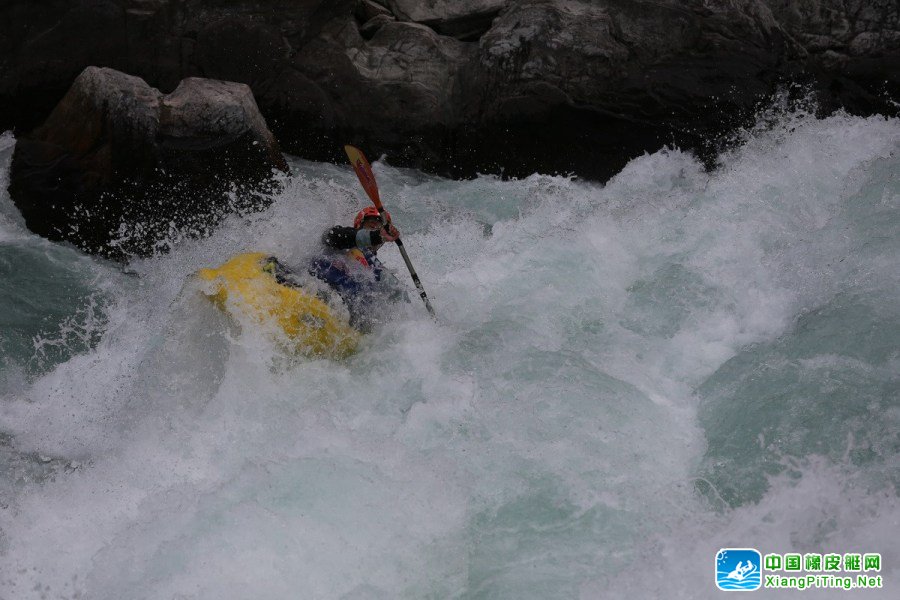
x,y
369,212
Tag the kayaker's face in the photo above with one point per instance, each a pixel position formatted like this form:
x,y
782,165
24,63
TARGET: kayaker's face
x,y
372,224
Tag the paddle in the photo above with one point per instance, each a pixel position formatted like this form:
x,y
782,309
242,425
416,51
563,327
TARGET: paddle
x,y
367,179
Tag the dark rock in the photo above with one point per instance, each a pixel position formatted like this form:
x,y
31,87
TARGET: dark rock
x,y
118,166
366,10
236,49
443,10
371,27
619,76
465,86
465,20
851,47
393,92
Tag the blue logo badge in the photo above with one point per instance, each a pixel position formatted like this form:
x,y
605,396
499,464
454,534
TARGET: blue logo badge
x,y
738,569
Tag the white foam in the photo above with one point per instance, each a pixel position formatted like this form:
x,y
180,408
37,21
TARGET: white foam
x,y
541,435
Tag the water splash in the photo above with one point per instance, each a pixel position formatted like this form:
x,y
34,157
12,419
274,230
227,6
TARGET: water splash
x,y
625,375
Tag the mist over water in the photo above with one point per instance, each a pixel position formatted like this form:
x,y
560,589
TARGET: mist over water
x,y
622,380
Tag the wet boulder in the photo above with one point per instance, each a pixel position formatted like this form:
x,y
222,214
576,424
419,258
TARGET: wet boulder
x,y
119,168
463,19
617,77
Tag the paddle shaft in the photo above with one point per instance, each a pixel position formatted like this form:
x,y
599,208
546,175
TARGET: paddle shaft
x,y
412,270
367,179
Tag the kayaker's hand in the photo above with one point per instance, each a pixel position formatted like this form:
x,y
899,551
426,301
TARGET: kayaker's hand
x,y
389,233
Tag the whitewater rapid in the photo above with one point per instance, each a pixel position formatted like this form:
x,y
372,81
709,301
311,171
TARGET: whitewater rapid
x,y
621,380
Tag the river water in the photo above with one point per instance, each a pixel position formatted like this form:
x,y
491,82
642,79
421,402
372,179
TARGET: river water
x,y
622,379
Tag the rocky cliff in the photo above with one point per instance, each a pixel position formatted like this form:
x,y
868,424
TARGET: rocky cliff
x,y
469,85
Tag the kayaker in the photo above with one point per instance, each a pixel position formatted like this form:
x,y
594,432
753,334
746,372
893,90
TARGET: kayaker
x,y
350,265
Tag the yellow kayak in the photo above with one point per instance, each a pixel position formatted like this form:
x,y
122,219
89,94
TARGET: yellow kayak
x,y
247,283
